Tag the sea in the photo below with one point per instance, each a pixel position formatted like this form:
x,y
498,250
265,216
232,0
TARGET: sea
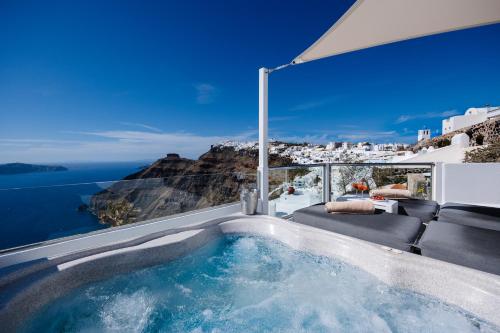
x,y
35,207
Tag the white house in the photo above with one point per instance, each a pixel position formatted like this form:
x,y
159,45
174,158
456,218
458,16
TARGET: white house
x,y
346,145
471,117
424,134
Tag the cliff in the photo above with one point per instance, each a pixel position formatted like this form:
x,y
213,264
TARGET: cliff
x,y
484,133
17,168
174,185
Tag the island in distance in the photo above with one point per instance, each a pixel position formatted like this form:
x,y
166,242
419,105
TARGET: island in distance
x,y
17,168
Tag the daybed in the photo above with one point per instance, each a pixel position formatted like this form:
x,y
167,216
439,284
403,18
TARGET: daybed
x,y
392,230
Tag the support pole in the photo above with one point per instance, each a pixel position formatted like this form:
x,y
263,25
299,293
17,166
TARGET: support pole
x,y
263,171
326,182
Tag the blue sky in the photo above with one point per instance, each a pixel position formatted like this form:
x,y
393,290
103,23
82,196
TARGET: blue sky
x,y
133,80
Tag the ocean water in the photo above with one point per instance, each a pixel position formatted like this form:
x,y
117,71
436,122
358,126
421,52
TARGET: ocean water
x,y
40,206
250,284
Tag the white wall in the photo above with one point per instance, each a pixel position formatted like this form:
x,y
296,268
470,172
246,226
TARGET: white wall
x,y
474,183
494,112
458,122
424,134
446,126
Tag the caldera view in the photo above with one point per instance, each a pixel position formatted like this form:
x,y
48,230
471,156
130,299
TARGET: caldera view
x,y
250,166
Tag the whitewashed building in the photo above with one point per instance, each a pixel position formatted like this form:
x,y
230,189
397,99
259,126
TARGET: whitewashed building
x,y
471,117
346,145
424,134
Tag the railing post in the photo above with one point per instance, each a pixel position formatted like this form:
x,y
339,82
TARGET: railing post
x,y
326,182
263,170
437,183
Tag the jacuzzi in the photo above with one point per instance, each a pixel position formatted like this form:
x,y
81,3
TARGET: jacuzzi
x,y
29,289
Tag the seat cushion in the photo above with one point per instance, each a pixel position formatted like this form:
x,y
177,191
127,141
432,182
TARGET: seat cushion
x,y
425,210
470,215
463,245
391,230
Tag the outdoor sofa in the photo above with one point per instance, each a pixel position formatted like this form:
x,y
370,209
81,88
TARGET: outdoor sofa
x,y
396,231
471,215
466,235
425,210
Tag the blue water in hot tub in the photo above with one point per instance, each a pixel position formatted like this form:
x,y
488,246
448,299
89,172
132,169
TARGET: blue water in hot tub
x,y
250,284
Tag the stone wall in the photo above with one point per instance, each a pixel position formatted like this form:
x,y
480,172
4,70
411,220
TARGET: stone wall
x,y
486,132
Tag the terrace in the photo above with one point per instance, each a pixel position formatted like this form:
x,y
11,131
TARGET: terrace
x,y
313,184
473,247
452,253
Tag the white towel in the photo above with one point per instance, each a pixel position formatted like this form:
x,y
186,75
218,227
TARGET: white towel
x,y
350,207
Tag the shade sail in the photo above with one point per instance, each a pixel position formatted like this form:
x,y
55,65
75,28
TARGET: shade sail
x,y
376,22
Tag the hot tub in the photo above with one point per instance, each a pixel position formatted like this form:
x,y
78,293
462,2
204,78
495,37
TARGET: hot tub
x,y
248,274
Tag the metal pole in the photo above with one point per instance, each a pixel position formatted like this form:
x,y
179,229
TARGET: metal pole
x,y
326,183
263,170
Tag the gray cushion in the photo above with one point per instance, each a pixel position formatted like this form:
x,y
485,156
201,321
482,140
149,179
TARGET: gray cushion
x,y
391,230
425,210
463,245
475,216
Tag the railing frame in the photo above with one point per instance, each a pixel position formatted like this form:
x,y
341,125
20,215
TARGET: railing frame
x,y
327,177
327,192
293,166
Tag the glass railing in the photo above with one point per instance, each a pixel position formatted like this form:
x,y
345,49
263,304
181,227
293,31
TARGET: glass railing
x,y
35,214
292,188
295,187
358,179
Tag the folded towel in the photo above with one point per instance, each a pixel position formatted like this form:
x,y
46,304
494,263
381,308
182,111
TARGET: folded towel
x,y
350,207
391,193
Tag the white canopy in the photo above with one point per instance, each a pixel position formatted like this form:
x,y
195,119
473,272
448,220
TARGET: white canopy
x,y
376,22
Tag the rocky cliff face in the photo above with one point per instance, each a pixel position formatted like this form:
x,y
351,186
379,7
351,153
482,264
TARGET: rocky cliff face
x,y
174,185
484,133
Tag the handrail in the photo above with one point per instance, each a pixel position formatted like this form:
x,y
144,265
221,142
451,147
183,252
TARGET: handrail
x,y
136,180
293,166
